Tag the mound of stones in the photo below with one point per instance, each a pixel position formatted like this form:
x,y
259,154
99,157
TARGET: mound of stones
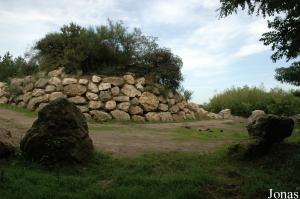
x,y
7,147
105,98
265,130
59,135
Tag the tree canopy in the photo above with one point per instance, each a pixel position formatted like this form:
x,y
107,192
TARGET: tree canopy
x,y
284,34
109,49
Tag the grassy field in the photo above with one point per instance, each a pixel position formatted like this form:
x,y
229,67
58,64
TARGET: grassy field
x,y
172,175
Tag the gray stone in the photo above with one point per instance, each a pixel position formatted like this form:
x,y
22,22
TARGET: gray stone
x,y
83,109
93,87
129,79
83,81
96,79
165,116
41,83
135,110
29,87
77,100
100,116
174,109
95,104
92,96
130,91
163,107
116,81
50,88
36,101
104,86
105,96
69,80
38,92
27,96
54,81
110,105
74,90
115,91
124,106
55,95
121,99
225,114
120,115
152,117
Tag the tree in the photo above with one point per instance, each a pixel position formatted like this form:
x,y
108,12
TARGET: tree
x,y
284,36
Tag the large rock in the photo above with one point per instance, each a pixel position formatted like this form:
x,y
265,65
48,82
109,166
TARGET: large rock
x,y
115,91
91,96
225,114
38,92
74,89
93,87
110,105
116,81
149,101
271,128
100,116
60,134
121,99
41,83
130,91
69,80
7,147
129,79
50,88
135,110
152,117
77,100
55,95
124,106
56,73
138,118
104,86
174,109
95,104
255,115
54,81
120,115
105,96
83,81
96,79
29,87
37,100
165,116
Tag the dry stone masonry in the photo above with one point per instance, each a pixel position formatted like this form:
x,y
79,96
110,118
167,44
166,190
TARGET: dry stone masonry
x,y
104,98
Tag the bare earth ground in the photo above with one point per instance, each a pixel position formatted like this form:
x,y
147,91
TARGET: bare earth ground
x,y
131,139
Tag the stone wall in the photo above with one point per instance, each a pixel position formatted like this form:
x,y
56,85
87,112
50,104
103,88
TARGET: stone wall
x,y
102,98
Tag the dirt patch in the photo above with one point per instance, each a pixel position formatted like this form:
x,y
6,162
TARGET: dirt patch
x,y
135,142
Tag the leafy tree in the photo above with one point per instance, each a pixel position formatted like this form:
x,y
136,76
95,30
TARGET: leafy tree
x,y
284,36
108,49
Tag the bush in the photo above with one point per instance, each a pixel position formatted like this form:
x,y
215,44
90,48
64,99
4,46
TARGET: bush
x,y
110,50
242,101
13,67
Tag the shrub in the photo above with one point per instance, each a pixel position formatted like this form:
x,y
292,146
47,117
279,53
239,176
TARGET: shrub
x,y
108,49
12,67
243,100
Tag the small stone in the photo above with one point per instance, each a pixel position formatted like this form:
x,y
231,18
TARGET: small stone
x,y
121,99
67,81
77,100
116,81
141,81
93,87
110,105
135,110
105,95
124,106
134,101
55,95
95,104
100,116
50,88
83,109
41,83
83,81
115,91
129,79
138,118
171,102
163,107
130,91
92,96
120,115
74,90
104,86
54,81
96,79
56,73
38,92
152,116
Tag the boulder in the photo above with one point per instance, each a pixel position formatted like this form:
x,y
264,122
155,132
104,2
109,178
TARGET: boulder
x,y
56,73
271,128
55,95
41,83
116,81
139,87
141,81
149,101
255,115
162,99
95,104
120,115
165,116
134,101
152,117
130,91
69,80
38,92
27,97
135,110
100,116
36,101
74,90
121,99
129,79
77,100
41,106
83,81
104,86
92,96
93,87
96,79
138,118
83,109
59,135
50,88
54,81
7,147
180,116
174,109
110,105
105,96
115,91
171,102
214,116
3,100
29,87
124,106
225,114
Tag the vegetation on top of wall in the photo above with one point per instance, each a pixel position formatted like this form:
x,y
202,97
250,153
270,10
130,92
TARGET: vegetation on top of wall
x,y
243,100
15,67
110,50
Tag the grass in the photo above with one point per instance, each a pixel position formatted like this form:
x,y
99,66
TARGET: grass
x,y
154,176
24,111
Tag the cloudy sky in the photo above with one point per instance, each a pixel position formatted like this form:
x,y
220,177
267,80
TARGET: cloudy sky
x,y
217,53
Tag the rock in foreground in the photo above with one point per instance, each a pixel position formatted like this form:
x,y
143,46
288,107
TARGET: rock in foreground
x,y
59,135
6,144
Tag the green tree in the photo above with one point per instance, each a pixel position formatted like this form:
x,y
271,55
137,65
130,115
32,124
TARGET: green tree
x,y
284,36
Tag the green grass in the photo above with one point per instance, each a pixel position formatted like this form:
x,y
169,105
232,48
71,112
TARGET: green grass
x,y
154,176
24,111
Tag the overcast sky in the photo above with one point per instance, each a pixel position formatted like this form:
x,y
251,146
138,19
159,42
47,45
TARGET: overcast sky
x,y
217,54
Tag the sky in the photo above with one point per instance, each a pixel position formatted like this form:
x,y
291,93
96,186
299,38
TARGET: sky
x,y
217,53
